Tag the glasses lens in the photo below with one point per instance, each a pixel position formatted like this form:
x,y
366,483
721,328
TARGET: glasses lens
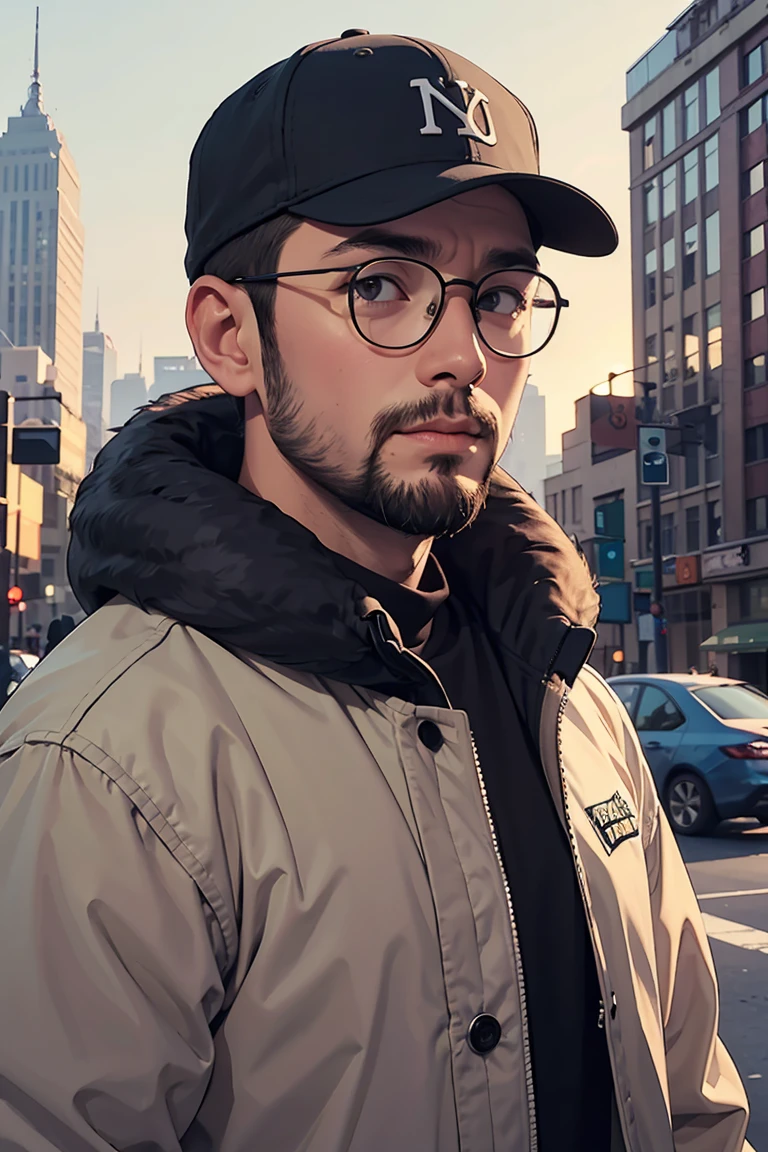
x,y
395,302
516,312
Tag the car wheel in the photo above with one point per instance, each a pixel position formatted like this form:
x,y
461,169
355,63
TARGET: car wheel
x,y
689,805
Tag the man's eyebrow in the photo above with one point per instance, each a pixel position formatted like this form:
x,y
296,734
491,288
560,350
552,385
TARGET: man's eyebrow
x,y
510,258
415,246
421,248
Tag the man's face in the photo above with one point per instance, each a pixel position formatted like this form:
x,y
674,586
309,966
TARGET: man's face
x,y
346,413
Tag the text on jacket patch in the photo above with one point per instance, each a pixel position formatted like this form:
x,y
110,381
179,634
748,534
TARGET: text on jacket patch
x,y
614,820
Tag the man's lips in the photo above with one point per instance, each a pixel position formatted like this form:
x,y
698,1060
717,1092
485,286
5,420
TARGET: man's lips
x,y
445,435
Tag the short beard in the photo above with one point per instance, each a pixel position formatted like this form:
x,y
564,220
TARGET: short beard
x,y
423,508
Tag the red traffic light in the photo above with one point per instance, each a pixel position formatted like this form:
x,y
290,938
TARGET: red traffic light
x,y
15,595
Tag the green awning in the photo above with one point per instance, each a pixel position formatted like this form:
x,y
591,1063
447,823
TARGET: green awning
x,y
739,638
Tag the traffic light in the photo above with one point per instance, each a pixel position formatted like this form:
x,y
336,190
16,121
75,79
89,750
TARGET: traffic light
x,y
652,449
15,595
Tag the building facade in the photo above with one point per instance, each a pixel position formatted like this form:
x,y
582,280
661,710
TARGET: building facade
x,y
696,115
526,453
589,479
174,374
41,244
99,370
127,395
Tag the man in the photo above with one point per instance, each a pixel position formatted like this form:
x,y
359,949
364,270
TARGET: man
x,y
320,834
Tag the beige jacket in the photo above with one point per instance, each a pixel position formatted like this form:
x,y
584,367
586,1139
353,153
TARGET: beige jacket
x,y
245,908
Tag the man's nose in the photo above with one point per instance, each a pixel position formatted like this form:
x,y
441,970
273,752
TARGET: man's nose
x,y
453,351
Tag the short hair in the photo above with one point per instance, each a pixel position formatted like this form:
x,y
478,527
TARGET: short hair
x,y
257,253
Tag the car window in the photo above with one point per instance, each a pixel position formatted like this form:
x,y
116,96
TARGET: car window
x,y
734,701
657,712
627,693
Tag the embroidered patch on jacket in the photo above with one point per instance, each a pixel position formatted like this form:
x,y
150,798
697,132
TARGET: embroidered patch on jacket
x,y
614,820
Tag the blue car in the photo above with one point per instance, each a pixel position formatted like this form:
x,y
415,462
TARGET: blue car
x,y
706,741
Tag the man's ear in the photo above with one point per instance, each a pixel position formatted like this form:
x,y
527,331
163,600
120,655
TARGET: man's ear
x,y
225,335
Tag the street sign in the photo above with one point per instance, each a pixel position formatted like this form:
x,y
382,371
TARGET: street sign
x,y
610,559
652,449
609,519
36,444
615,603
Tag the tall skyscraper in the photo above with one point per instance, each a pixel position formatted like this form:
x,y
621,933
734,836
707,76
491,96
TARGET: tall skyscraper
x,y
525,456
41,242
696,115
99,370
126,395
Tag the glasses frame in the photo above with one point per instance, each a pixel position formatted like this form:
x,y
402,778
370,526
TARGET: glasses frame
x,y
559,302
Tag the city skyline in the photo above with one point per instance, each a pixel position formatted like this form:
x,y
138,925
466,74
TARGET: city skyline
x,y
131,140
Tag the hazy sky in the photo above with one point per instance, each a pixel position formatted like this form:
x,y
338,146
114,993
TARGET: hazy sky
x,y
130,85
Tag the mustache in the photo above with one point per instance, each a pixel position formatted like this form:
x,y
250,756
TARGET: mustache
x,y
451,405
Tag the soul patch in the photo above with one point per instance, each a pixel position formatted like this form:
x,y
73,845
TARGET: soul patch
x,y
614,820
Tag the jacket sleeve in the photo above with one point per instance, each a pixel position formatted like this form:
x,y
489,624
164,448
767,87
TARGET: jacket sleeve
x,y
108,961
709,1106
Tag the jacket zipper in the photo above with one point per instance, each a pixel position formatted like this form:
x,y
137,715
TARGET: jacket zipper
x,y
601,1020
534,1138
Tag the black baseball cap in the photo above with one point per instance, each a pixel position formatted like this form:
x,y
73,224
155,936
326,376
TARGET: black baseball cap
x,y
361,130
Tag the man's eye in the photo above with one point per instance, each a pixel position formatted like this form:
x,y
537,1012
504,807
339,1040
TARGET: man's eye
x,y
378,290
502,301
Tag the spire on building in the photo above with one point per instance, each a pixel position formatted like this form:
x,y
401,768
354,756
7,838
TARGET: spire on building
x,y
141,355
34,104
96,328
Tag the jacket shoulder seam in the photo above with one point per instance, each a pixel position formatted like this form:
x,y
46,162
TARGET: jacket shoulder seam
x,y
101,761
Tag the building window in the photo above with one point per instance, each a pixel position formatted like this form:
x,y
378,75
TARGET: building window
x,y
714,337
650,278
692,529
754,372
711,164
757,522
45,177
651,197
668,534
690,248
670,359
712,95
35,185
552,505
646,538
669,136
754,241
752,117
690,347
753,65
714,523
754,305
754,180
712,243
668,191
756,444
753,598
690,176
576,497
691,465
668,258
651,350
650,143
691,111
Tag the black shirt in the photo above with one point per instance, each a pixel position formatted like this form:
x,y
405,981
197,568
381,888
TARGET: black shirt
x,y
571,1069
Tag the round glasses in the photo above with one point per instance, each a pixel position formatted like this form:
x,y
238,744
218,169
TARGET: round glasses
x,y
397,303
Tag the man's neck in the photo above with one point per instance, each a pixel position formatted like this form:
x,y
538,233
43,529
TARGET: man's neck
x,y
374,546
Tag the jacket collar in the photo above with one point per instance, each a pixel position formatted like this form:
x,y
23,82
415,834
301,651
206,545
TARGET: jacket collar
x,y
162,521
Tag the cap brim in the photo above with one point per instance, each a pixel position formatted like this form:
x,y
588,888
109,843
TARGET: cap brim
x,y
568,220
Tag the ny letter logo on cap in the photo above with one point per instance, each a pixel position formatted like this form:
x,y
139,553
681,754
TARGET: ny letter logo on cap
x,y
467,117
